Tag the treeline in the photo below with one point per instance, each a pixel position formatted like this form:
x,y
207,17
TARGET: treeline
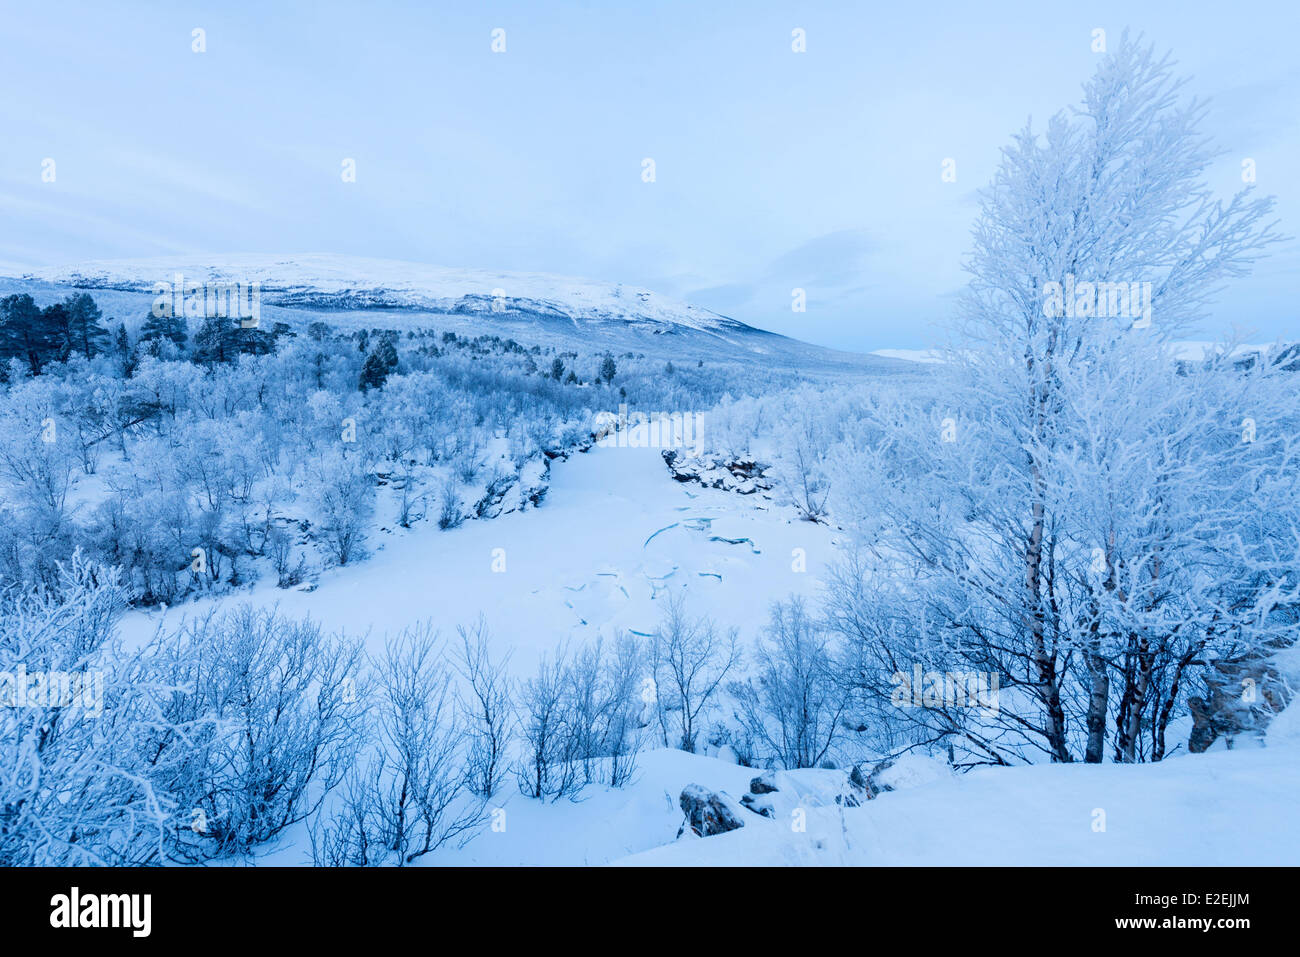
x,y
37,336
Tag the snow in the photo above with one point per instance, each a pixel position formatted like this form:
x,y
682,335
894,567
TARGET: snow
x,y
1189,350
911,355
388,282
1231,808
613,534
1228,808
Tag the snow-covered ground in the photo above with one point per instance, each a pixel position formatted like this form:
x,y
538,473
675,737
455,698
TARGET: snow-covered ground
x,y
1226,808
1229,808
1191,350
613,534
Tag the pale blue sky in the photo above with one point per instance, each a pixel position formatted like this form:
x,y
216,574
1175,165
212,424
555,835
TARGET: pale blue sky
x,y
774,170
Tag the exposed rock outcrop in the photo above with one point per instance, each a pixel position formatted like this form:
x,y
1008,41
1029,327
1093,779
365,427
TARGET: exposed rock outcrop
x,y
741,477
707,812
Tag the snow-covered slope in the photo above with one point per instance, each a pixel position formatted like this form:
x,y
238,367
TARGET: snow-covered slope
x,y
1229,808
1233,808
532,307
349,282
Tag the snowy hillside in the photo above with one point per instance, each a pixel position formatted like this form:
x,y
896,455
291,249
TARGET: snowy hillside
x,y
358,292
344,282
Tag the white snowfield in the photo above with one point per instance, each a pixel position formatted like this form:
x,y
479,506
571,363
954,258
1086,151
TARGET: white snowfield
x,y
613,534
388,283
1222,808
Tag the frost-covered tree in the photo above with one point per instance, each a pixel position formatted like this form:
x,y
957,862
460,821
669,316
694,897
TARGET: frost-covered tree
x,y
690,661
343,494
792,706
1076,512
86,763
486,708
280,706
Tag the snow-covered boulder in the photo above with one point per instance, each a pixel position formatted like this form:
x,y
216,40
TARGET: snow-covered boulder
x,y
906,771
707,812
742,477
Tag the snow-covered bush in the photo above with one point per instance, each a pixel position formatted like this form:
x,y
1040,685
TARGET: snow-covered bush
x,y
690,661
279,706
343,494
793,705
582,719
548,763
486,708
88,755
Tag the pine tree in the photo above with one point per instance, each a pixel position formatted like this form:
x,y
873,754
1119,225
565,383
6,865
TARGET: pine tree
x,y
122,349
24,332
387,352
164,327
607,369
85,334
374,372
557,368
221,340
56,323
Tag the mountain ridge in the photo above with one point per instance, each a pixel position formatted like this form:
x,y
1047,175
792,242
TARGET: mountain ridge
x,y
554,309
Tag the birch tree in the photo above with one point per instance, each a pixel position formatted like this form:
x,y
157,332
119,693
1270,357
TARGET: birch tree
x,y
1073,506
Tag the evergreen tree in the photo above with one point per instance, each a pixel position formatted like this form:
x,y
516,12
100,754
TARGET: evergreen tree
x,y
122,349
557,368
85,334
56,323
607,369
24,332
164,327
214,342
374,372
387,352
220,340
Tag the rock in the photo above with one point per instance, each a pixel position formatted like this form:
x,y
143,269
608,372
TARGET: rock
x,y
707,812
872,784
759,805
1226,711
765,783
746,478
856,789
902,772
